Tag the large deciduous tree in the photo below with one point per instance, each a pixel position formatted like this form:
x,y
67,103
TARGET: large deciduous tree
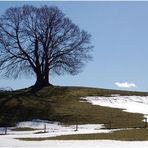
x,y
40,41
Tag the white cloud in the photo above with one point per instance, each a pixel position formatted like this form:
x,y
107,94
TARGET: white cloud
x,y
125,84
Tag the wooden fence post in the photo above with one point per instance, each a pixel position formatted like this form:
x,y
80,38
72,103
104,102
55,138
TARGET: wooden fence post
x,y
76,126
5,130
110,126
45,128
145,119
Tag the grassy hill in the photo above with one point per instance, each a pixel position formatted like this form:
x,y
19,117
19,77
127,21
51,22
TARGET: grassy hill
x,y
64,104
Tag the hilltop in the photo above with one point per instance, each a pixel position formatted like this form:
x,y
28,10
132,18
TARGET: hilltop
x,y
64,104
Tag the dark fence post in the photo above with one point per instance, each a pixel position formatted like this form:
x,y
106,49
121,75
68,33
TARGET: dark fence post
x,y
5,130
76,126
145,119
110,125
45,128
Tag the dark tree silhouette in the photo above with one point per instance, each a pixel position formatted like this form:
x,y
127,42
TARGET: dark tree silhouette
x,y
41,41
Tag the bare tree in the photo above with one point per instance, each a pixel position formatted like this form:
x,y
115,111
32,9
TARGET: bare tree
x,y
41,41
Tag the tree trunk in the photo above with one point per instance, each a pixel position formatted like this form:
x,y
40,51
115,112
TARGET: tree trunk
x,y
42,81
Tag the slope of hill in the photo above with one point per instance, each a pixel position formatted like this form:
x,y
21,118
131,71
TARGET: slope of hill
x,y
64,104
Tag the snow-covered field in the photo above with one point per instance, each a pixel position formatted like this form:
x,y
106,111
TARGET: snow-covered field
x,y
74,144
128,103
135,104
52,128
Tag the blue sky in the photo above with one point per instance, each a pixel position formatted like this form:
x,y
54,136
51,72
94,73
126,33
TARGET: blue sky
x,y
120,37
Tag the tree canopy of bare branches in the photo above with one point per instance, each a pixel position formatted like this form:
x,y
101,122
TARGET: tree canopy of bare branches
x,y
41,41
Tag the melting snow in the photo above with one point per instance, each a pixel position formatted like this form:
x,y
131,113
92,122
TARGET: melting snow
x,y
134,104
52,128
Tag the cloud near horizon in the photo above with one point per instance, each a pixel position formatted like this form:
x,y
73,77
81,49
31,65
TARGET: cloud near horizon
x,y
125,85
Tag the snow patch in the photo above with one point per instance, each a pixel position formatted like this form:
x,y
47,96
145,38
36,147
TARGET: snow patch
x,y
134,104
53,129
